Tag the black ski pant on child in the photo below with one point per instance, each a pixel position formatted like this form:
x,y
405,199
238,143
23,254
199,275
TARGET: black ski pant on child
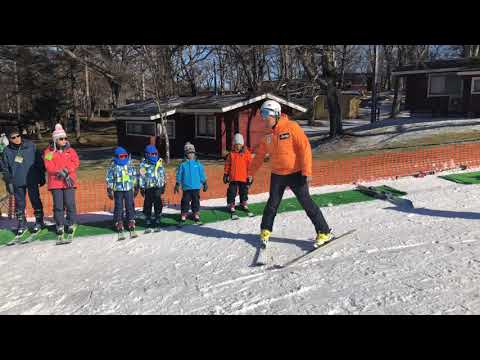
x,y
20,193
123,200
299,186
190,197
233,188
153,197
64,199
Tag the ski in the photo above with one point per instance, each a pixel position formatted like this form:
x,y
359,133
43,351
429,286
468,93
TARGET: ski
x,y
19,238
71,235
312,251
35,236
385,195
120,235
247,211
61,239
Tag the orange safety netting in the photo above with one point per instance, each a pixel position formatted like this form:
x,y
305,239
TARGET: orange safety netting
x,y
91,196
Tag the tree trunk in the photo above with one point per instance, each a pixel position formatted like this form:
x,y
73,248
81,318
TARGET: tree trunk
x,y
397,84
342,69
167,140
87,94
144,96
334,110
75,106
17,92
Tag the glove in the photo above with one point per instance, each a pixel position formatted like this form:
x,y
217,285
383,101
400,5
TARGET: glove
x,y
135,191
69,181
10,189
249,180
62,174
205,186
226,179
142,192
110,194
176,189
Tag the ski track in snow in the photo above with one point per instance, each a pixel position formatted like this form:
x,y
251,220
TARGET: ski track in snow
x,y
426,261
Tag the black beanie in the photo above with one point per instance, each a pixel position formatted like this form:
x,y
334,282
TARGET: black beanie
x,y
13,130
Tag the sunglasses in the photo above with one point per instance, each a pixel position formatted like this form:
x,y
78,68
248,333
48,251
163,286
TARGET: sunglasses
x,y
266,113
152,154
123,156
62,138
14,137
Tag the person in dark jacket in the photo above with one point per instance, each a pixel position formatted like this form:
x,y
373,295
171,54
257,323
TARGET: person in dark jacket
x,y
23,171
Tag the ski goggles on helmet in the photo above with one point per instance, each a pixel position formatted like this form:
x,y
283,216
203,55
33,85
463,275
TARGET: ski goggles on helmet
x,y
122,156
264,113
152,154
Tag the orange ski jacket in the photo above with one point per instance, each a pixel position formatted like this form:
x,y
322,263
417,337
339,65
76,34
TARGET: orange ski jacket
x,y
237,163
288,148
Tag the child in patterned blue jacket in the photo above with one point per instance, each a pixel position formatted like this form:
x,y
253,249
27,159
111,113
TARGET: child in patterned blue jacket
x,y
191,177
122,187
152,183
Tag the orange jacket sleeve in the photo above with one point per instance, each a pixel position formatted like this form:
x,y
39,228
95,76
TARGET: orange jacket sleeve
x,y
228,164
303,150
258,159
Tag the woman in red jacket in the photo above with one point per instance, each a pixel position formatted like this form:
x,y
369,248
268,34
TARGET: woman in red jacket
x,y
235,174
61,162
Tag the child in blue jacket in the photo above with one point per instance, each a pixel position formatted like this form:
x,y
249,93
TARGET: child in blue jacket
x,y
191,177
152,185
122,187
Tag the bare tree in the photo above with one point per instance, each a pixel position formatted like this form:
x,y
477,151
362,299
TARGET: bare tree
x,y
319,64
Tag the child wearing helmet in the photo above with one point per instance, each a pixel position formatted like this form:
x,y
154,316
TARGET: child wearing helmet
x,y
122,187
191,177
152,185
235,174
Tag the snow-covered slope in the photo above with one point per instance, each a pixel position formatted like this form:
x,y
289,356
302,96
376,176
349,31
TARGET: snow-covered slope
x,y
422,262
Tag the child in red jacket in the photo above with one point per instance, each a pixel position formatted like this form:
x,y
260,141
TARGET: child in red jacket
x,y
235,174
62,162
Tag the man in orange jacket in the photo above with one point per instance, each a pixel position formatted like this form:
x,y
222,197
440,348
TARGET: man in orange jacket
x,y
291,161
235,174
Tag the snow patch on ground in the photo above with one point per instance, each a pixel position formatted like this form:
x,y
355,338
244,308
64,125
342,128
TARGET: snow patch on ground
x,y
424,261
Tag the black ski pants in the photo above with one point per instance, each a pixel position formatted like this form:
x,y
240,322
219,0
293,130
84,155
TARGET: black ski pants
x,y
237,187
190,197
153,197
299,186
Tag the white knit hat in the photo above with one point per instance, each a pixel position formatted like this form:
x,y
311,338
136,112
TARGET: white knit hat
x,y
238,139
58,133
188,148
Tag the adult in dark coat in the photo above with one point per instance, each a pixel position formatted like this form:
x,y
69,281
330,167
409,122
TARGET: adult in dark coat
x,y
23,171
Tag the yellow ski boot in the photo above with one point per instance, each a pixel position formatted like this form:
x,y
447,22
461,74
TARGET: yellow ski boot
x,y
265,235
322,238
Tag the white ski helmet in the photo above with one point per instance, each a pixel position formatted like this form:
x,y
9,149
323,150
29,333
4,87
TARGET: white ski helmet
x,y
271,107
238,139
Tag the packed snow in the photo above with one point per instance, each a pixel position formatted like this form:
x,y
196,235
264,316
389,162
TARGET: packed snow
x,y
421,261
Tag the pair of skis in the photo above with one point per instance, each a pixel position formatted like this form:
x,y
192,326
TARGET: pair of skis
x,y
121,234
246,211
27,236
62,240
385,195
263,256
